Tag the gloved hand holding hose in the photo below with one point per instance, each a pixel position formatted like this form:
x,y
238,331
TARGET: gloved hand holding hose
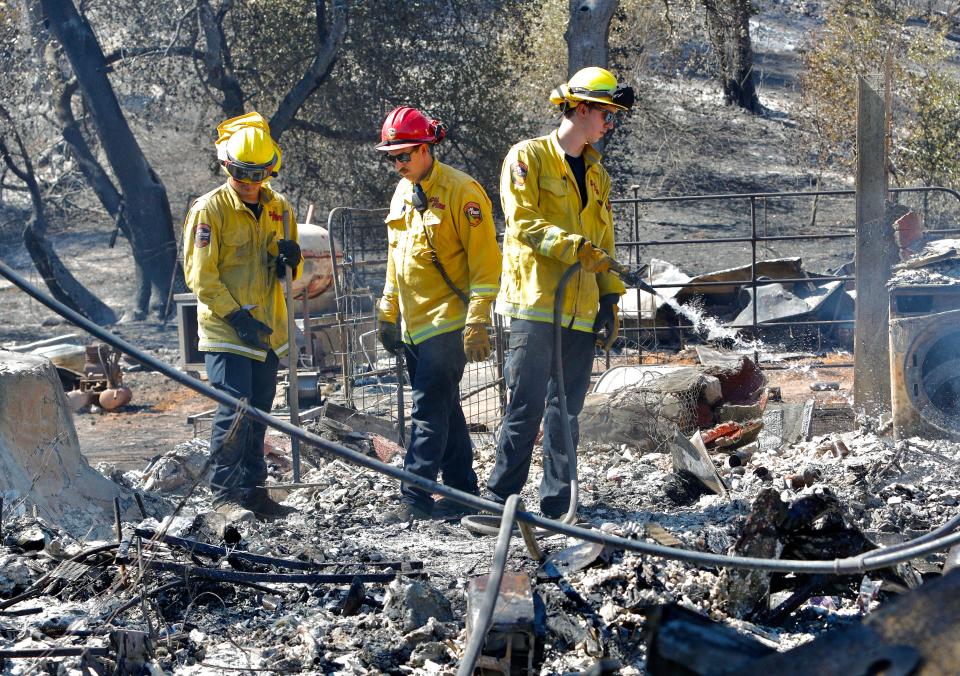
x,y
288,256
593,258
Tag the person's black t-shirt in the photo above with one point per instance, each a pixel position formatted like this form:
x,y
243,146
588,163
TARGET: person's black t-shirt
x,y
256,208
579,169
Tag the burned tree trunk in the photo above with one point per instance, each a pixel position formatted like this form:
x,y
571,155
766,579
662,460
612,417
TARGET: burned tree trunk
x,y
728,28
106,192
588,32
146,207
216,60
63,285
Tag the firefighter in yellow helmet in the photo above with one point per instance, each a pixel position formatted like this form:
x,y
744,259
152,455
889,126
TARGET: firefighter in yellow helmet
x,y
443,268
235,258
556,200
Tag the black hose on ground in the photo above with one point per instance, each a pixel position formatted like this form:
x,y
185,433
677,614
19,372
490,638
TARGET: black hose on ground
x,y
494,578
847,566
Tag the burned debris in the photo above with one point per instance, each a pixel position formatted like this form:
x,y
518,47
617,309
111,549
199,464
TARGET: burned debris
x,y
685,467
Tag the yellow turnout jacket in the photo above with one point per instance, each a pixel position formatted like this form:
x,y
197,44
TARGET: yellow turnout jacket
x,y
545,224
458,225
229,261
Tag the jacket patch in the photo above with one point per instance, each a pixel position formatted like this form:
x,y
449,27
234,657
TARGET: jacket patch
x,y
473,214
435,203
276,218
202,236
518,171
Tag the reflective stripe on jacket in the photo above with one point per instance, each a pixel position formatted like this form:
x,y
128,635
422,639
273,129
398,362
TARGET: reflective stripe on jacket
x,y
545,225
229,261
458,222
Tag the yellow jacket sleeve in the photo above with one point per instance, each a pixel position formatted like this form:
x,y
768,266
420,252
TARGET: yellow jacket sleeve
x,y
521,196
201,253
478,235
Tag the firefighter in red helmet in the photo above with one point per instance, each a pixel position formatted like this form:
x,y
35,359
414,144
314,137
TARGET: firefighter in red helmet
x,y
443,270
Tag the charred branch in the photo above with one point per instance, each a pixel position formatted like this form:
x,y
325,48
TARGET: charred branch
x,y
329,40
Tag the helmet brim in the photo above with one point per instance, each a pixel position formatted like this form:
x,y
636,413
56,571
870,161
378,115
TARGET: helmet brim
x,y
580,98
398,145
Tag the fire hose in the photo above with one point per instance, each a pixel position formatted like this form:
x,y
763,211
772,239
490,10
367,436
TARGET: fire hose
x,y
482,524
846,566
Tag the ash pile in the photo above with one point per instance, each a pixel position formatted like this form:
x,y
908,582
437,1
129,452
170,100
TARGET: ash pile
x,y
700,458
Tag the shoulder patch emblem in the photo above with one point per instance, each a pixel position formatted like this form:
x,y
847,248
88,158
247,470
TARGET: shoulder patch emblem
x,y
518,171
473,214
202,236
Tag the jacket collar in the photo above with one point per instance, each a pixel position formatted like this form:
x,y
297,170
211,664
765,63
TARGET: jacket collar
x,y
591,155
435,180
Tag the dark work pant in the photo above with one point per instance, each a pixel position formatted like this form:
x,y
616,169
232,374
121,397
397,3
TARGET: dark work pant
x,y
439,440
533,389
238,464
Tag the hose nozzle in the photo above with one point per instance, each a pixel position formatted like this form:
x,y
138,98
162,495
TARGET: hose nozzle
x,y
632,278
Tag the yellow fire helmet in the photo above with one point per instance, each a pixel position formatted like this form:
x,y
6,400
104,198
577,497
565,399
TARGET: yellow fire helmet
x,y
246,150
592,84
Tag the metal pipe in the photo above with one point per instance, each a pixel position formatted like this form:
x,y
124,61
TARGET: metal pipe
x,y
807,193
494,578
746,282
293,564
293,355
286,578
753,269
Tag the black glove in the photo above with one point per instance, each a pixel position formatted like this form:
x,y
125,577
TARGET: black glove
x,y
288,256
607,320
389,334
248,328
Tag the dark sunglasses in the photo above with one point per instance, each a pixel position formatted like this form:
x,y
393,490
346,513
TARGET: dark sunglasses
x,y
400,157
609,117
247,174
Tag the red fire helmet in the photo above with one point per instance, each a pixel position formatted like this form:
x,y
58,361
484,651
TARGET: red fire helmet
x,y
408,127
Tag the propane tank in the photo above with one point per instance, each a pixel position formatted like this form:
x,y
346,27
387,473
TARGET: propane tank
x,y
317,276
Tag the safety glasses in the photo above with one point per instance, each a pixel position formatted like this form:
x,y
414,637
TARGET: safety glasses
x,y
609,117
248,174
393,159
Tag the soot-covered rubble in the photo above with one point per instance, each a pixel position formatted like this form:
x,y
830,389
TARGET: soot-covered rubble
x,y
877,489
